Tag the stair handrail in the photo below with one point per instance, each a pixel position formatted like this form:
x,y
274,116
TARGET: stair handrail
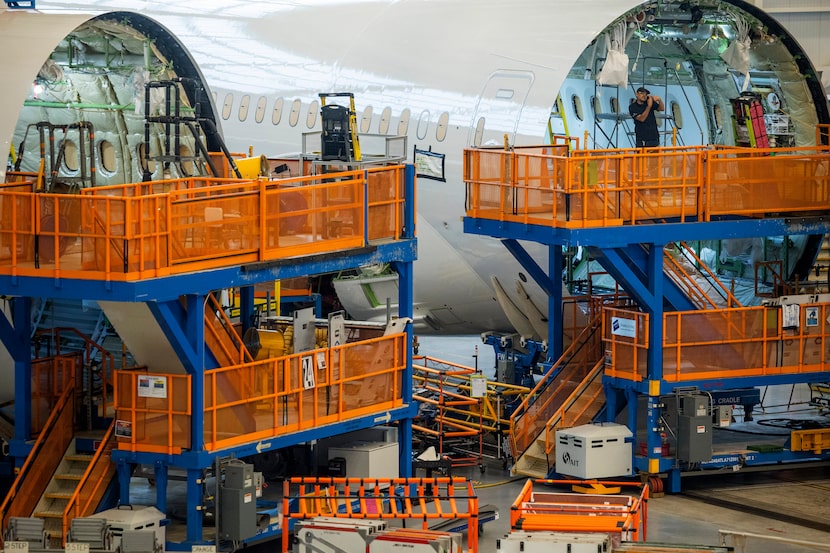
x,y
107,359
50,446
709,274
582,340
559,416
213,310
97,476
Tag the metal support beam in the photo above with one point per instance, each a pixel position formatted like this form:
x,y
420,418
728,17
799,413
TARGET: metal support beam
x,y
15,337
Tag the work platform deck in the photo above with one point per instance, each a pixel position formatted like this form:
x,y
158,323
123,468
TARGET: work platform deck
x,y
152,255
630,208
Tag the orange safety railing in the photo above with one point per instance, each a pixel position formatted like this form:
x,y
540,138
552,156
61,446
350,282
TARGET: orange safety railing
x,y
692,287
51,376
625,335
153,411
46,454
625,515
93,484
154,229
530,418
759,182
423,499
579,407
221,336
106,361
725,343
596,188
273,397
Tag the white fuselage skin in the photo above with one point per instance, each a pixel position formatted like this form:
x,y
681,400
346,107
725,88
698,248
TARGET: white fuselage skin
x,y
430,70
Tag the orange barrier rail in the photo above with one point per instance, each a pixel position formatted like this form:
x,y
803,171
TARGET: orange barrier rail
x,y
146,230
90,490
724,343
51,376
626,515
579,407
273,397
599,188
40,465
106,361
531,416
423,499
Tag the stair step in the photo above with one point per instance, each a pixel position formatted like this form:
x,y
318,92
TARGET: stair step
x,y
49,514
66,476
66,496
79,457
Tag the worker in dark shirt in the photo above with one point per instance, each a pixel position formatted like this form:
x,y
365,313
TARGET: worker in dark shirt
x,y
645,123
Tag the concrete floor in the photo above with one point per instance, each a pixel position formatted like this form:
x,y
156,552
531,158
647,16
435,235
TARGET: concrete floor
x,y
678,519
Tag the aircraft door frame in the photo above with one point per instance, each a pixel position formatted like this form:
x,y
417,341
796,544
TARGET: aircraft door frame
x,y
499,107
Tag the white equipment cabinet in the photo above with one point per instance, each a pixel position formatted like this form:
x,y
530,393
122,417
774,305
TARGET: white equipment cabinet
x,y
368,459
594,451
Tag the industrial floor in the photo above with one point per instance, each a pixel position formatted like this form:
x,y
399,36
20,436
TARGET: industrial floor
x,y
785,510
752,504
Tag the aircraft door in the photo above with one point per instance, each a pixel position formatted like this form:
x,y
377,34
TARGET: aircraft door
x,y
499,108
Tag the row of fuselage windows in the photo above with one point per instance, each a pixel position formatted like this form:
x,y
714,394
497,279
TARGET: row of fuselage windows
x,y
292,112
106,151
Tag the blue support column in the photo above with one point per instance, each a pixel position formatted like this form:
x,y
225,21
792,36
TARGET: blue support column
x,y
555,340
160,474
405,299
194,505
124,471
15,337
246,307
196,334
654,271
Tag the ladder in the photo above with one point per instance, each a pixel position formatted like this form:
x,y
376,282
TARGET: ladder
x,y
339,140
173,116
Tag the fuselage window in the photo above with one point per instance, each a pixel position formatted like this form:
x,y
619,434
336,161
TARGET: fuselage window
x,y
276,115
403,124
294,116
366,119
186,164
311,116
576,102
443,122
597,105
243,107
615,105
228,106
479,133
213,95
718,116
71,158
677,115
385,119
423,125
106,155
145,164
260,109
